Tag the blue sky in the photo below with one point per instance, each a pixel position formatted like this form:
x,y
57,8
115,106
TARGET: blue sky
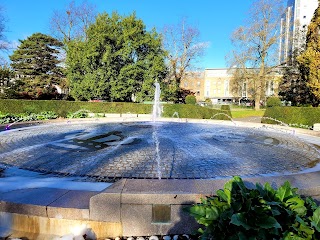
x,y
216,20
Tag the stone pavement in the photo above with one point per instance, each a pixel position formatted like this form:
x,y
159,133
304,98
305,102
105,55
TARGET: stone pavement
x,y
108,152
127,207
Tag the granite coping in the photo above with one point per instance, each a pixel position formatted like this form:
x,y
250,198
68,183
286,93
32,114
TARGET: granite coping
x,y
47,202
40,201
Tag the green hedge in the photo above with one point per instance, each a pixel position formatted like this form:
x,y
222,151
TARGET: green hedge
x,y
294,116
62,108
193,111
273,102
190,99
227,109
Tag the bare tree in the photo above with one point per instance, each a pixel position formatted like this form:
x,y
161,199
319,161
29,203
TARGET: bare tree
x,y
4,45
184,49
73,22
255,53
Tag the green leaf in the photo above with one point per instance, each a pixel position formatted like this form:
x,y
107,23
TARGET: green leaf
x,y
307,230
296,204
212,213
242,236
310,202
197,211
267,222
224,196
315,219
260,209
292,236
228,186
237,180
228,194
236,205
284,191
261,190
222,206
239,219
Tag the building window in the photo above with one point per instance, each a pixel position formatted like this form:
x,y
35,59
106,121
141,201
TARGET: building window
x,y
207,88
198,93
244,90
198,84
270,88
226,87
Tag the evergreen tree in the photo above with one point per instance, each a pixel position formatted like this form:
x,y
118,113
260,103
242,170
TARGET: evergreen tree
x,y
310,58
293,86
119,61
36,65
6,75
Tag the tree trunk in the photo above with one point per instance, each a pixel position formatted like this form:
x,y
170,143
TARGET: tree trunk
x,y
259,85
257,99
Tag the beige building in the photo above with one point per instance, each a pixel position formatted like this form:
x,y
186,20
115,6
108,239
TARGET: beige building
x,y
217,86
194,81
214,84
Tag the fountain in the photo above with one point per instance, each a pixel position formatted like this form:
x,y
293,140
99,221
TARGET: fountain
x,y
156,110
156,113
110,151
150,163
116,150
226,115
175,114
8,127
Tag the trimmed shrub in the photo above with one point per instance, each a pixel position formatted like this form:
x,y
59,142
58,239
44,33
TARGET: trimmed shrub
x,y
190,99
68,108
64,108
293,116
192,111
226,109
273,102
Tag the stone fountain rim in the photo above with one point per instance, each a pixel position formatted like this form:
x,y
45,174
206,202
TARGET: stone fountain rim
x,y
150,191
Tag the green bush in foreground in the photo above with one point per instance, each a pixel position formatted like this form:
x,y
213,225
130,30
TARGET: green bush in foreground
x,y
261,213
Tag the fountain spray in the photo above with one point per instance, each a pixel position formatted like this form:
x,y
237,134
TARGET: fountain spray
x,y
156,113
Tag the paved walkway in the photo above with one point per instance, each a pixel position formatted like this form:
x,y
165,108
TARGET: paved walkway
x,y
249,119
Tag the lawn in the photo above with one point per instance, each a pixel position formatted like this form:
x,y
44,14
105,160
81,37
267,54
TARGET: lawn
x,y
243,113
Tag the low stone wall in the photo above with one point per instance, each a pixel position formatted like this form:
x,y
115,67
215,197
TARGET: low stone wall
x,y
156,207
129,207
23,226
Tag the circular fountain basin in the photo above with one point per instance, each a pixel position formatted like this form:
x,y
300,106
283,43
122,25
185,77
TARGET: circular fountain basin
x,y
167,150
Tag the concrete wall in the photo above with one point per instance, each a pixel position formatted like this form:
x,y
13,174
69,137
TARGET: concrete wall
x,y
130,207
